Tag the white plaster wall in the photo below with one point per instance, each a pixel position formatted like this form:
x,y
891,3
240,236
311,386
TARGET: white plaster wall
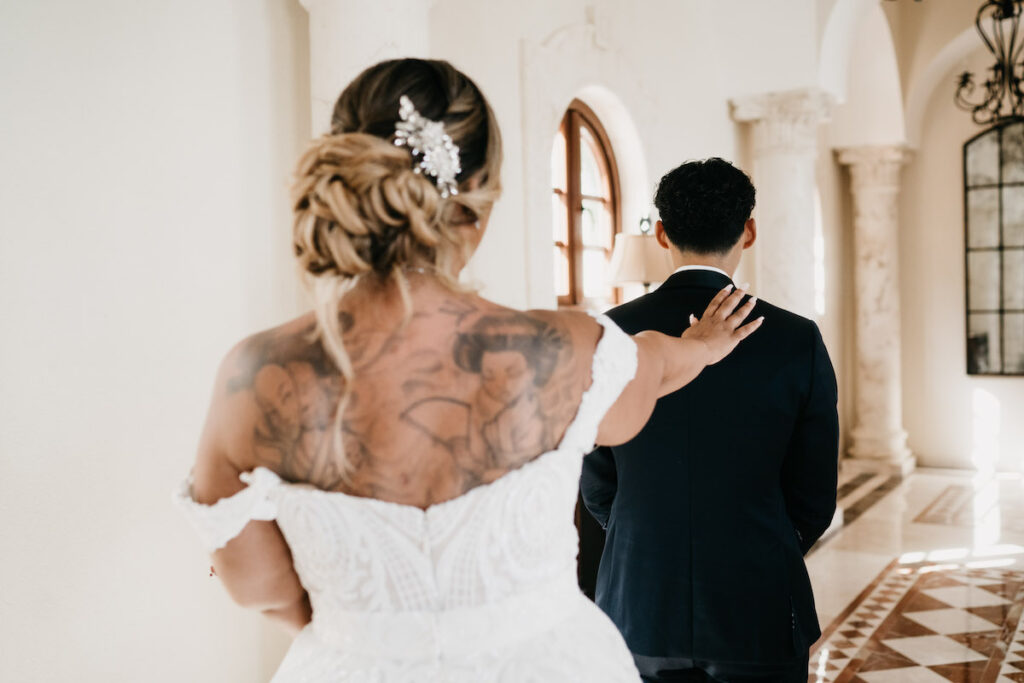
x,y
760,45
143,229
346,36
871,110
953,420
838,25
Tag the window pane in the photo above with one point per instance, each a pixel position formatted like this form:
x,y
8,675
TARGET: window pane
x,y
1013,279
1013,153
561,272
1013,217
983,160
983,343
592,170
559,219
983,280
595,274
596,223
983,218
558,171
1013,331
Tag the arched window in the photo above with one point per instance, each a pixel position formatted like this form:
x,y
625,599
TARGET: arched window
x,y
585,210
994,235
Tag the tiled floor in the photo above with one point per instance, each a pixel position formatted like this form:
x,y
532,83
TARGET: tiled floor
x,y
924,582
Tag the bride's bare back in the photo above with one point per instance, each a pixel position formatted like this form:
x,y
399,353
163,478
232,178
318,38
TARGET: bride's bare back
x,y
462,393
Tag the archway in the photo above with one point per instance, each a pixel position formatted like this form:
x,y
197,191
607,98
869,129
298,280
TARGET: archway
x,y
566,66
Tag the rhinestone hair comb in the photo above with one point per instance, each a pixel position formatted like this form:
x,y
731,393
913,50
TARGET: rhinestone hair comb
x,y
434,153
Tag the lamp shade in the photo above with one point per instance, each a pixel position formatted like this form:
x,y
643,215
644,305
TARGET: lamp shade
x,y
639,258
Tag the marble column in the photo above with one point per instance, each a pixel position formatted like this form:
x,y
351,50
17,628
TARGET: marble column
x,y
879,441
346,36
785,146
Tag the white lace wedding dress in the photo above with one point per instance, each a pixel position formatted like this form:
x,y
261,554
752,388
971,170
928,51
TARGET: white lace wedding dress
x,y
478,588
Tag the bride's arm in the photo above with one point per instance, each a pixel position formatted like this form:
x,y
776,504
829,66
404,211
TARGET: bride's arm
x,y
255,566
666,364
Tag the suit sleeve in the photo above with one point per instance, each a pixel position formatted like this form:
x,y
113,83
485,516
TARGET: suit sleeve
x,y
598,484
810,470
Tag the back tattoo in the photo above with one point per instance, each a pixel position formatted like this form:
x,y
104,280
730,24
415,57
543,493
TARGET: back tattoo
x,y
428,415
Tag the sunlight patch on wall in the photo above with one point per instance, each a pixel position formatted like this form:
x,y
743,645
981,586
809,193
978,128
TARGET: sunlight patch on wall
x,y
986,423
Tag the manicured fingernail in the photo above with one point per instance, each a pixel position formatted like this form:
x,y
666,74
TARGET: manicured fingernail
x,y
693,318
728,287
753,300
761,319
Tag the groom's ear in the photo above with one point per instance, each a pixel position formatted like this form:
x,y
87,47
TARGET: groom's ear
x,y
749,233
661,236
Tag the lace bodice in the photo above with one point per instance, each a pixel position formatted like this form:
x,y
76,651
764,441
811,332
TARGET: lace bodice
x,y
475,574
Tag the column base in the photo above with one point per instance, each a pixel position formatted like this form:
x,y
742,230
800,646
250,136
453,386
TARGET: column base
x,y
900,466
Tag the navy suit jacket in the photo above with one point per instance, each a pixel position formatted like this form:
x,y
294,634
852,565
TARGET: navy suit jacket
x,y
709,509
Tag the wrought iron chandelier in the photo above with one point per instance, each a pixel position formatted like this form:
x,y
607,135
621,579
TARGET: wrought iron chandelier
x,y
999,96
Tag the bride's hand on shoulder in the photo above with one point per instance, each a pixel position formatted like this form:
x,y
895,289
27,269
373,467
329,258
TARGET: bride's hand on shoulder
x,y
721,326
665,364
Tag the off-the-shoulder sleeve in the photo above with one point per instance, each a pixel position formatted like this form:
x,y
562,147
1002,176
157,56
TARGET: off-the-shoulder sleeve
x,y
218,523
613,367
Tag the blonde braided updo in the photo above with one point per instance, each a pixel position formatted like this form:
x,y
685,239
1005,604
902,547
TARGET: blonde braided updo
x,y
362,212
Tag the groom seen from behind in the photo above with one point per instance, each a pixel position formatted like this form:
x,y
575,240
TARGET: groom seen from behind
x,y
710,509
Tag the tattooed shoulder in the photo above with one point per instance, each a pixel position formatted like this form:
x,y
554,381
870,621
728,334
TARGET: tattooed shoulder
x,y
291,387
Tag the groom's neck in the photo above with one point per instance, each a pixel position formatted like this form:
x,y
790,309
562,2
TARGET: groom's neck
x,y
727,262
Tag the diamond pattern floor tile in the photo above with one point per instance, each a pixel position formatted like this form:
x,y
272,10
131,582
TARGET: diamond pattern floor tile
x,y
951,625
965,596
949,621
917,674
931,650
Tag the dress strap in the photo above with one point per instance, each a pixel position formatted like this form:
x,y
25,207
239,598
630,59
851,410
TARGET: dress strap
x,y
613,367
218,523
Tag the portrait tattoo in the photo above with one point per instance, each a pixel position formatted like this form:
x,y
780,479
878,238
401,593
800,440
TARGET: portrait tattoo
x,y
504,423
295,386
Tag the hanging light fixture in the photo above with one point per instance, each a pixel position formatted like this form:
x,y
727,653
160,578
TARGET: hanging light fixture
x,y
999,96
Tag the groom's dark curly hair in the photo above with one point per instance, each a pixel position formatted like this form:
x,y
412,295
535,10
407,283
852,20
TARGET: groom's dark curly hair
x,y
704,205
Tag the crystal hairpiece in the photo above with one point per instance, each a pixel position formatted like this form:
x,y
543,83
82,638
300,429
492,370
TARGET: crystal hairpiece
x,y
437,155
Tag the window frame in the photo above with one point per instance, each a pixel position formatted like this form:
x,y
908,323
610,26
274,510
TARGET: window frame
x,y
579,115
1002,311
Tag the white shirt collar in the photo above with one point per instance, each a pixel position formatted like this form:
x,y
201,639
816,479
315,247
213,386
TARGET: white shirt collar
x,y
711,268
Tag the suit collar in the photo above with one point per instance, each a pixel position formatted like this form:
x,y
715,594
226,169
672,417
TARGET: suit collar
x,y
706,279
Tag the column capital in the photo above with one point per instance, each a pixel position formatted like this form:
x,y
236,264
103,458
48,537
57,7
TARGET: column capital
x,y
784,121
874,165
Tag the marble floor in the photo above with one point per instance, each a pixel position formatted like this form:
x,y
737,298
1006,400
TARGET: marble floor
x,y
923,582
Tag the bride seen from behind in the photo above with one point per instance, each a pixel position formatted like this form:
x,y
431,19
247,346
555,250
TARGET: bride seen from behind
x,y
412,450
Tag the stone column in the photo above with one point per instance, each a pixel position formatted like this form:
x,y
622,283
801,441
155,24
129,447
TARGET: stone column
x,y
785,147
879,441
346,36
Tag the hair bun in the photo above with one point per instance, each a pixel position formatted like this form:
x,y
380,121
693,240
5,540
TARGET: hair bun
x,y
360,207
